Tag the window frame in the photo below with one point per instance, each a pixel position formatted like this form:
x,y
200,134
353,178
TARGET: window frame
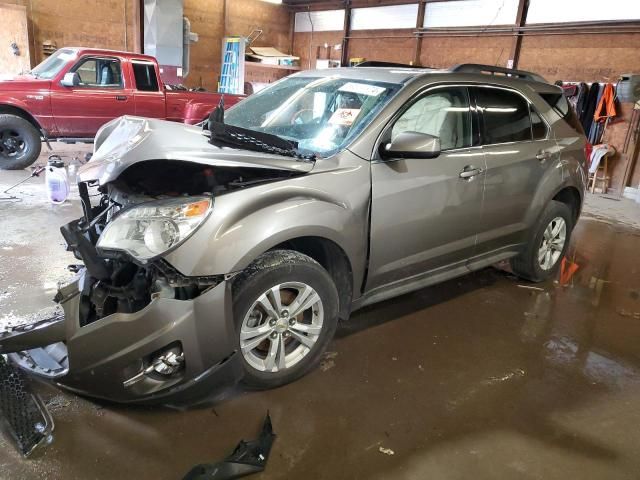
x,y
86,58
385,135
480,114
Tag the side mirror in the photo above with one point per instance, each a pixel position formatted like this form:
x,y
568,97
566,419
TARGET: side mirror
x,y
70,79
411,145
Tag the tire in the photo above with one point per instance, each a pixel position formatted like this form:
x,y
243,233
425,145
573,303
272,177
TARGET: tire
x,y
528,265
20,143
297,275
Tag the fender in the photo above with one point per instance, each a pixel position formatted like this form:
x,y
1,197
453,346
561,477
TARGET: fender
x,y
564,173
242,226
16,106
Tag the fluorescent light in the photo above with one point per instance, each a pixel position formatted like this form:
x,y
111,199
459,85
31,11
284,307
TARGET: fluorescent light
x,y
277,2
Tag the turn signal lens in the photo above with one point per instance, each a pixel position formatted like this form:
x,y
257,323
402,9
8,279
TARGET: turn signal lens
x,y
197,209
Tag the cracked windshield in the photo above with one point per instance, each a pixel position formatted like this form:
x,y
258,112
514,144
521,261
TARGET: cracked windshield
x,y
322,114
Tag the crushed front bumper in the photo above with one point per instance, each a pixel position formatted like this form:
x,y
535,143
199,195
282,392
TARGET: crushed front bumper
x,y
100,359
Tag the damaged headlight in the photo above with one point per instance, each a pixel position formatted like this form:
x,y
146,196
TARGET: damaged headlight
x,y
151,229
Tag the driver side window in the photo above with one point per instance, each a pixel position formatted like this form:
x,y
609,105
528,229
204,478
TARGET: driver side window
x,y
99,72
443,113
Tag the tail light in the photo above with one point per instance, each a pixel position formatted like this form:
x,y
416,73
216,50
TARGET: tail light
x,y
588,148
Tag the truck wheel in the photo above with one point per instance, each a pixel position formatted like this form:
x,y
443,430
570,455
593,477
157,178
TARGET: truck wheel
x,y
542,255
19,143
285,311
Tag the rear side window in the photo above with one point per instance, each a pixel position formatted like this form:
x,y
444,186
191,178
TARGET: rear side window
x,y
145,75
559,103
505,116
538,127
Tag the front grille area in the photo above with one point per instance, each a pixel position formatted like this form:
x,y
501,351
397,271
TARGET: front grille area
x,y
22,414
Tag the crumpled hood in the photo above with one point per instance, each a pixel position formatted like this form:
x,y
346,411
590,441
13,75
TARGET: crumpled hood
x,y
128,140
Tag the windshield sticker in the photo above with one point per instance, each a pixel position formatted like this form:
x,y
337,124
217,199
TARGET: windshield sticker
x,y
362,89
344,116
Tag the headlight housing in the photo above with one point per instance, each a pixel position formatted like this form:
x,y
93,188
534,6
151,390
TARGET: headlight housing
x,y
151,229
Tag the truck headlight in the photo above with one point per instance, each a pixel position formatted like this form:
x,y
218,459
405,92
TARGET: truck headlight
x,y
150,229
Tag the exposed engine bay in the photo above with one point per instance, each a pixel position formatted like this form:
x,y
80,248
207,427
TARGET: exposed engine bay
x,y
121,282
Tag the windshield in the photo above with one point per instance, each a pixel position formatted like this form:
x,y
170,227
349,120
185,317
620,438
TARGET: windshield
x,y
321,114
50,67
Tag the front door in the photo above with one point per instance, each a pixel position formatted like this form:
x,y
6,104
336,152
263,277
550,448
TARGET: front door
x,y
424,215
102,95
518,150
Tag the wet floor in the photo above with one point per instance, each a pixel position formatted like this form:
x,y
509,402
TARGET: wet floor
x,y
475,378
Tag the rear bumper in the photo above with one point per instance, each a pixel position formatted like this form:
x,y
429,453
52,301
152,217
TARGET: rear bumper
x,y
98,359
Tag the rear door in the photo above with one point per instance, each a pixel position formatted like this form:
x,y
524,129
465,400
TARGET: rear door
x,y
518,149
424,215
149,96
102,95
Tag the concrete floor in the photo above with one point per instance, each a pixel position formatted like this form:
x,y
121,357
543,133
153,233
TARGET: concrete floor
x,y
475,378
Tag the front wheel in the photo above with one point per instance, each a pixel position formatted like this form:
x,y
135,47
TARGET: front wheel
x,y
285,312
20,143
541,257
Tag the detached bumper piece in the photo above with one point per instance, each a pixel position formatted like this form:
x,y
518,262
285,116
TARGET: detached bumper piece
x,y
23,416
248,458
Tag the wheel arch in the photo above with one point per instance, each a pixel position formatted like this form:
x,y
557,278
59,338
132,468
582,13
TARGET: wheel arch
x,y
6,109
570,196
333,259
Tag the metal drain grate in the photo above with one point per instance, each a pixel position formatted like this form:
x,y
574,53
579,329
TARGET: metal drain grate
x,y
22,413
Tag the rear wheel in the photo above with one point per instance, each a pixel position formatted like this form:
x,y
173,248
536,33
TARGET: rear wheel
x,y
20,143
286,312
542,255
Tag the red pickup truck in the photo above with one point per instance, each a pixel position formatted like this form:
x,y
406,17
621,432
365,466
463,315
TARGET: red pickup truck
x,y
75,91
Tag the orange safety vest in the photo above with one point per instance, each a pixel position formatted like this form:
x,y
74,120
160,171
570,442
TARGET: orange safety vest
x,y
607,102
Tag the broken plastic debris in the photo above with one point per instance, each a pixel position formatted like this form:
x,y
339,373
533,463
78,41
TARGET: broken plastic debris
x,y
327,362
531,287
624,313
247,458
22,413
386,451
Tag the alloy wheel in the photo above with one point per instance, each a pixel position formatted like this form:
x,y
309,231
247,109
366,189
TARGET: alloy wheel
x,y
553,240
281,327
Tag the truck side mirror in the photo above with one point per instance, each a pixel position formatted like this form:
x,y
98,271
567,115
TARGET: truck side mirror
x,y
70,79
411,145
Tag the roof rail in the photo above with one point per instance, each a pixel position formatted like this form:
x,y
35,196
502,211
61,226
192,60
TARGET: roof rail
x,y
377,63
490,69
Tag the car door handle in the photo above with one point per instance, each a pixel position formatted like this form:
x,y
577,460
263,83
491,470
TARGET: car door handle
x,y
121,98
543,155
470,171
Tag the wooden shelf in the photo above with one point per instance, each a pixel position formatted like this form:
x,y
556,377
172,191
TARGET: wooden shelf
x,y
267,65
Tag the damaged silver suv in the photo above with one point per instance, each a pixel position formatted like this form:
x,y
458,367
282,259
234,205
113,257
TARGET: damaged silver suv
x,y
228,254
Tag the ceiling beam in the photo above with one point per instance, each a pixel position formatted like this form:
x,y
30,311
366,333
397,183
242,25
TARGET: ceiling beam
x,y
417,51
346,33
521,20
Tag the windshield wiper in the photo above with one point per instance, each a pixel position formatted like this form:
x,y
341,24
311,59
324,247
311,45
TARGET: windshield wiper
x,y
238,137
